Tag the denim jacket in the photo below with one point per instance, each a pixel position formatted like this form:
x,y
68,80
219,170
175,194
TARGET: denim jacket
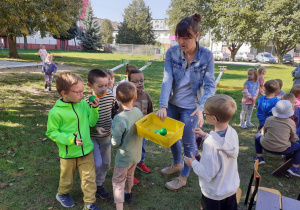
x,y
202,76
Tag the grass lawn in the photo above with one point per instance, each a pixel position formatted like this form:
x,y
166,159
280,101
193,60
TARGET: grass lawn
x,y
29,162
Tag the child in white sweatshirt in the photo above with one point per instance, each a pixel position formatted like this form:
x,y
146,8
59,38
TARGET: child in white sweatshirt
x,y
217,169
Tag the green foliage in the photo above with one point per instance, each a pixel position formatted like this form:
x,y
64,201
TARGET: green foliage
x,y
53,17
106,31
137,20
71,33
90,36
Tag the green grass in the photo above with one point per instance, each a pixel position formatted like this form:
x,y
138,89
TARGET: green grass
x,y
24,105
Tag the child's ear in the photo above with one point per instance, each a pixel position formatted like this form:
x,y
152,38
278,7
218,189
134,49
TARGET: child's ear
x,y
63,93
89,85
134,99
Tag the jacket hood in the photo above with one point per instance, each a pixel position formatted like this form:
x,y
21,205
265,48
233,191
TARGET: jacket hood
x,y
230,145
61,103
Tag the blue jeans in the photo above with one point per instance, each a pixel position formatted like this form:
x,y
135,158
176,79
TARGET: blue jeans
x,y
188,138
294,148
143,152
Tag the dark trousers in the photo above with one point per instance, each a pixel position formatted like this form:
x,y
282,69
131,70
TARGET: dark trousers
x,y
294,148
225,204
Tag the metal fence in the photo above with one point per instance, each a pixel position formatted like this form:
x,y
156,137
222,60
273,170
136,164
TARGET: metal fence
x,y
133,49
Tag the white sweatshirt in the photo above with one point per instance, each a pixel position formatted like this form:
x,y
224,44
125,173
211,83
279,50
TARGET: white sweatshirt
x,y
217,169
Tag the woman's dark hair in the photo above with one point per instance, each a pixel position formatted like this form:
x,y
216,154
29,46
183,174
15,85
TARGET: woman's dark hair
x,y
188,25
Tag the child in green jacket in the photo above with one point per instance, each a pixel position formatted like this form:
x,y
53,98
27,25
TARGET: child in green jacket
x,y
69,123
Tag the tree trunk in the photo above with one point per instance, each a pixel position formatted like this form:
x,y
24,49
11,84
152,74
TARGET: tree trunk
x,y
13,50
234,49
25,42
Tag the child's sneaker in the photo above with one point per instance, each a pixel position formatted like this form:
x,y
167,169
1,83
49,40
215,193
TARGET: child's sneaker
x,y
243,125
45,86
143,167
135,181
49,88
91,207
128,197
249,124
102,193
261,160
294,171
65,200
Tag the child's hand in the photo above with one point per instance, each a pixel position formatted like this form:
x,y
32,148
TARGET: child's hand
x,y
101,131
52,73
188,160
199,132
43,74
77,140
95,103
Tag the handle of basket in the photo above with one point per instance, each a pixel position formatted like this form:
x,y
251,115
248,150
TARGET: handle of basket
x,y
144,121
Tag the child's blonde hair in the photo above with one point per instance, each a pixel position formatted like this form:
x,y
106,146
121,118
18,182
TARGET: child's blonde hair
x,y
290,97
129,68
261,69
296,90
254,70
271,86
221,106
280,82
126,91
49,56
110,73
65,81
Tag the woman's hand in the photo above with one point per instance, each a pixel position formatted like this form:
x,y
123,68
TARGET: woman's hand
x,y
162,113
199,114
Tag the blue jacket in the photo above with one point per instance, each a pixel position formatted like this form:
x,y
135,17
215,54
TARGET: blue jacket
x,y
264,108
48,69
202,76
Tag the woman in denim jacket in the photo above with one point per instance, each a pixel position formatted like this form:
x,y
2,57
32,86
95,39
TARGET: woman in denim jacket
x,y
188,82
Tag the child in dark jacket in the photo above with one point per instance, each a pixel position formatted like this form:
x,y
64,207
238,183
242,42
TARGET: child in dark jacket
x,y
49,69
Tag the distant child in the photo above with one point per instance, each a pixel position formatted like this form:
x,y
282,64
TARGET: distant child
x,y
296,91
43,53
281,92
251,88
112,88
69,123
128,69
111,80
127,142
296,75
218,169
267,102
49,69
101,133
279,136
291,97
261,73
144,103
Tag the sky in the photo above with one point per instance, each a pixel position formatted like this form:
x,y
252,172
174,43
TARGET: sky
x,y
114,9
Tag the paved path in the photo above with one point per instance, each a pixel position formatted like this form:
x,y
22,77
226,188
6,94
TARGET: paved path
x,y
15,64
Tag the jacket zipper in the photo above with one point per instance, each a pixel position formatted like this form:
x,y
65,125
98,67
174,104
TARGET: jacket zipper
x,y
66,149
78,128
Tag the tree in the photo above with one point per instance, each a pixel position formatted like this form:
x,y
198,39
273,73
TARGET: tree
x,y
71,33
227,20
137,17
106,31
53,17
127,35
279,25
90,36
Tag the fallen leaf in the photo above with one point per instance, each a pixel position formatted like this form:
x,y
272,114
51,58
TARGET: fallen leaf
x,y
4,155
13,148
2,138
22,168
281,185
50,208
11,184
9,161
44,139
242,143
23,186
156,168
286,190
23,132
2,185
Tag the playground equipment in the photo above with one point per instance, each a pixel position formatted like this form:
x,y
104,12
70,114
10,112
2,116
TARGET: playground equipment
x,y
222,69
147,64
123,63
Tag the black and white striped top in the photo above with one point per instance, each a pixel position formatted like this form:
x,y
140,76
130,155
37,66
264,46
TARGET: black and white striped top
x,y
106,105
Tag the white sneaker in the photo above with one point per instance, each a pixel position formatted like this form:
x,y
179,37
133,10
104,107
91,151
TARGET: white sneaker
x,y
243,125
249,124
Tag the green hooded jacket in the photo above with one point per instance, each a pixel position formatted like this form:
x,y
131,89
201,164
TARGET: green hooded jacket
x,y
66,119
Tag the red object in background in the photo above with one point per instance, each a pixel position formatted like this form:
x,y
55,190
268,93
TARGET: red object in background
x,y
68,3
